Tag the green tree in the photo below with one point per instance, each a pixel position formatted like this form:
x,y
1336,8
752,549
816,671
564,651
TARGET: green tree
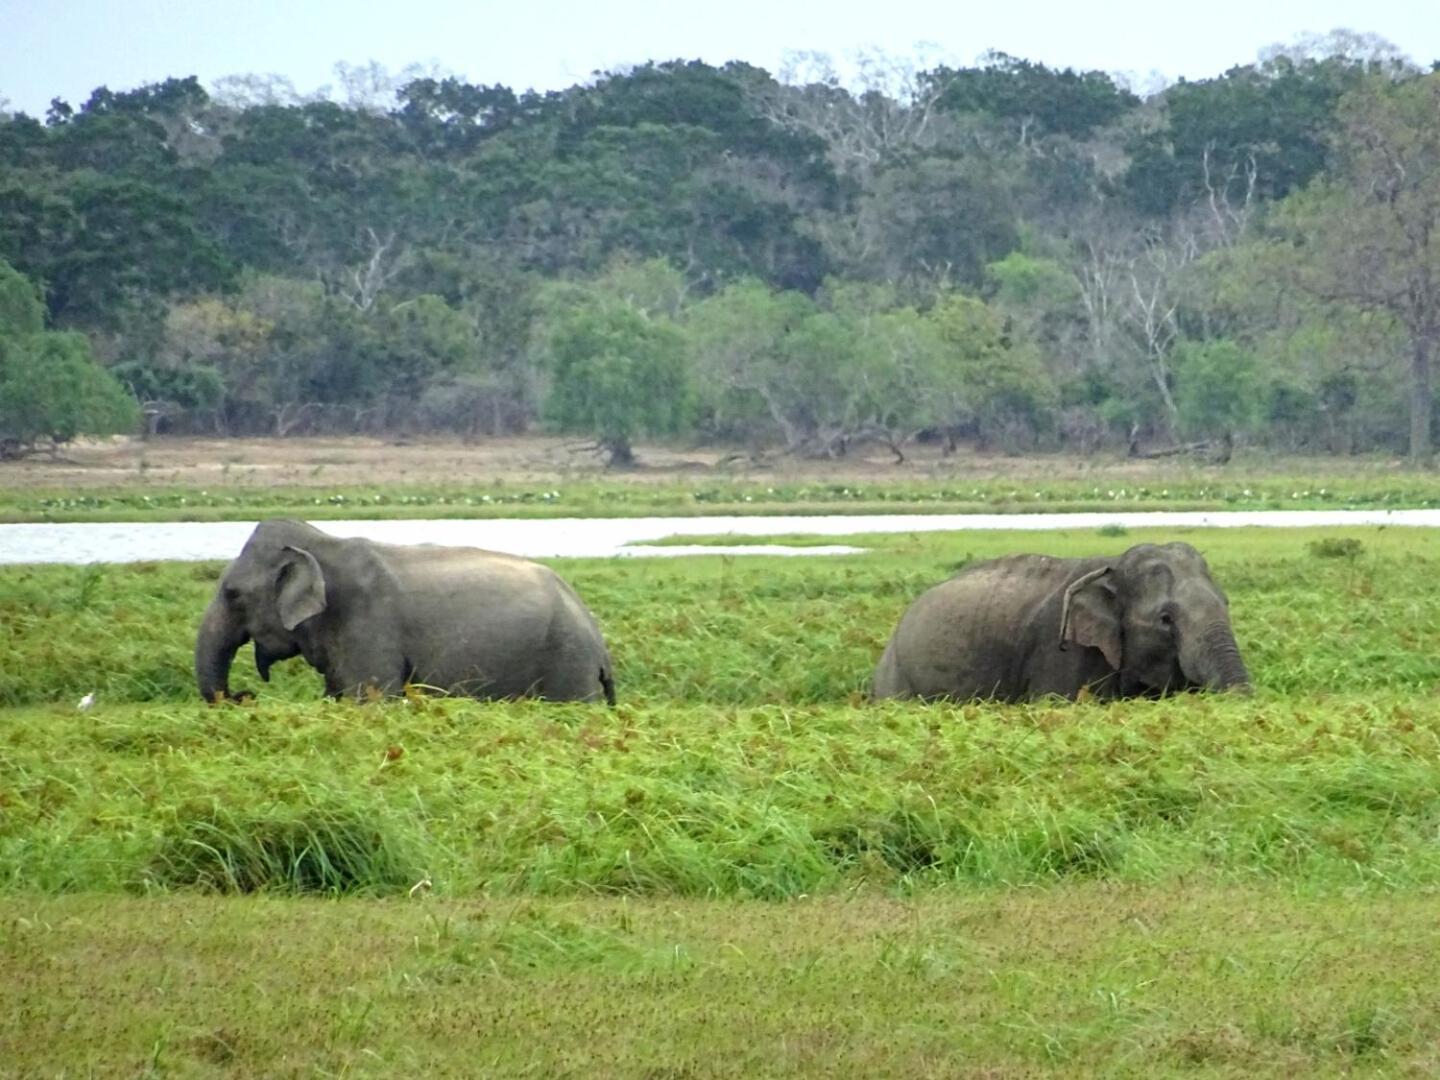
x,y
1032,98
1003,390
22,314
1331,376
617,374
50,386
774,363
421,339
1042,299
820,359
1218,390
1256,131
502,305
908,379
736,339
1369,237
103,244
935,219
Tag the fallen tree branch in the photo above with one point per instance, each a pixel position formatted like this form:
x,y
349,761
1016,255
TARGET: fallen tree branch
x,y
1217,450
1171,451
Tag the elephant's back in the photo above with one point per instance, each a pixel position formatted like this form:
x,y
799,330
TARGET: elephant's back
x,y
968,635
993,589
422,567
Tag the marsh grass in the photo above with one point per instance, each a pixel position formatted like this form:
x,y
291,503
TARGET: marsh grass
x,y
748,630
1336,547
1106,486
337,849
743,869
767,802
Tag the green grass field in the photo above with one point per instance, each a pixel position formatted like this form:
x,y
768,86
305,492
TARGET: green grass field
x,y
744,869
1076,979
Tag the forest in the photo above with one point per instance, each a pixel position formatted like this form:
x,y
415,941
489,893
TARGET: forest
x,y
1006,255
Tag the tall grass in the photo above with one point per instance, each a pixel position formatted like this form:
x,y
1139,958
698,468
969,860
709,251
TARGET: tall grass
x,y
1201,884
755,630
743,760
702,801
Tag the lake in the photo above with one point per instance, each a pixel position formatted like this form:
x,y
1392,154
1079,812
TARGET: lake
x,y
622,537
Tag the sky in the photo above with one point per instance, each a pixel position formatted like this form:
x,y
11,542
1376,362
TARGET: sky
x,y
66,48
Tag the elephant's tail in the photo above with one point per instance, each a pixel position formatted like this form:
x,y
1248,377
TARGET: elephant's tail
x,y
607,682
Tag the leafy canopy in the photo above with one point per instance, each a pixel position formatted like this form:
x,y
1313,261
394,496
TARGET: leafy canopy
x,y
50,385
617,373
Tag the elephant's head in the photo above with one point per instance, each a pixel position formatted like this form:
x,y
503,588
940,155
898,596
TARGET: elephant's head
x,y
1159,620
271,589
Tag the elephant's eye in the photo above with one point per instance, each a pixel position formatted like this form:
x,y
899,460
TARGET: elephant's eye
x,y
1167,620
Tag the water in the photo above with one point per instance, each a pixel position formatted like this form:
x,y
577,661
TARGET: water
x,y
624,537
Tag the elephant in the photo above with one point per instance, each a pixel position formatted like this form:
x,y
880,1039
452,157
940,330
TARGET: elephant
x,y
1148,622
375,617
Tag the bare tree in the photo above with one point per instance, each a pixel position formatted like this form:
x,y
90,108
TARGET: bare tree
x,y
371,87
1099,275
1150,311
1229,196
1377,53
289,415
249,91
878,108
363,283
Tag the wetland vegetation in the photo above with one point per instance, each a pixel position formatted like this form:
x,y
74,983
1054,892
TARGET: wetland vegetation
x,y
1229,883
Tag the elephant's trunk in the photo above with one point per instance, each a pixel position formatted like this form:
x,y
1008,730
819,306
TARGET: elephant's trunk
x,y
221,634
1215,659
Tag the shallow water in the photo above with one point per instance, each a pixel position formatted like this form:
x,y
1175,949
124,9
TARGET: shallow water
x,y
608,537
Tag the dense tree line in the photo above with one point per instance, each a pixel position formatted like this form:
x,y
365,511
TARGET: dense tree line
x,y
1007,254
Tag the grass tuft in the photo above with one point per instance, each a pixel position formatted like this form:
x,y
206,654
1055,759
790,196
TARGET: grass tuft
x,y
1336,547
327,850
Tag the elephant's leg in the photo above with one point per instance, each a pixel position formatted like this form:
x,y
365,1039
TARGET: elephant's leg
x,y
361,664
364,684
575,684
574,676
1066,674
888,681
575,665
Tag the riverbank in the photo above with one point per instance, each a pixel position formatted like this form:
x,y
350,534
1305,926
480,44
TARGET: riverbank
x,y
542,477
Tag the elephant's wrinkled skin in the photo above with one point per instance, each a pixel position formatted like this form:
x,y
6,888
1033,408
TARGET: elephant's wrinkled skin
x,y
1148,622
374,617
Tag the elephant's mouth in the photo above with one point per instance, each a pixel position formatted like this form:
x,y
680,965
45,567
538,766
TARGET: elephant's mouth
x,y
265,658
1140,689
1156,684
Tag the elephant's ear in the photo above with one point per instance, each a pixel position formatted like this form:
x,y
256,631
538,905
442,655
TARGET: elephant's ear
x,y
1090,616
302,588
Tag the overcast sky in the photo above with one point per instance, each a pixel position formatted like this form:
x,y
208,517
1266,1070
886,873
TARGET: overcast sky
x,y
66,48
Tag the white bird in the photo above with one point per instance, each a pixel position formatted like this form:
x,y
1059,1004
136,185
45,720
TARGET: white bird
x,y
86,701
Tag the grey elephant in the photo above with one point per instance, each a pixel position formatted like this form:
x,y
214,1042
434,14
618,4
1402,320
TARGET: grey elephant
x,y
374,617
1148,622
